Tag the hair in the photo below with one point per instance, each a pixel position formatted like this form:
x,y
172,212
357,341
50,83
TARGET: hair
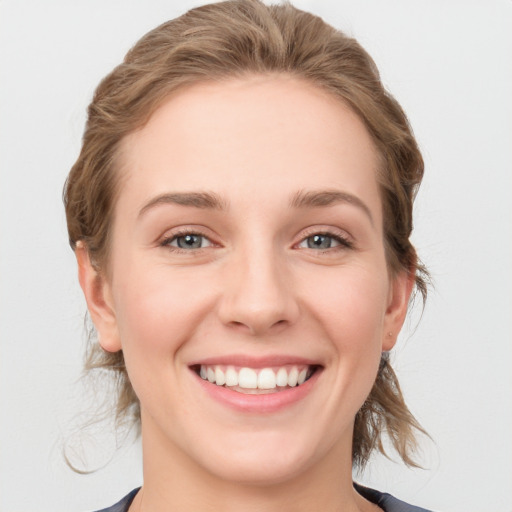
x,y
230,40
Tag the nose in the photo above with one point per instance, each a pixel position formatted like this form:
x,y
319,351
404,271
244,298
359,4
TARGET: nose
x,y
258,294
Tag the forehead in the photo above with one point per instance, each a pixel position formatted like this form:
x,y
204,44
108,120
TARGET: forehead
x,y
253,137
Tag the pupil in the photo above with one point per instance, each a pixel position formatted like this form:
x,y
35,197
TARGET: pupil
x,y
189,241
319,242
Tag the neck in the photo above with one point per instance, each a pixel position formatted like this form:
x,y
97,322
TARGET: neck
x,y
173,481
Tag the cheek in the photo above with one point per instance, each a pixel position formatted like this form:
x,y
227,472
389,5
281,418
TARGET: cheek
x,y
352,306
157,310
157,313
352,314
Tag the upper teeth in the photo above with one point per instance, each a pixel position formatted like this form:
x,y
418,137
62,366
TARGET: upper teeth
x,y
249,378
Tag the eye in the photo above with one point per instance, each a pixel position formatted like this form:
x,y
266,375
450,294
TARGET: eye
x,y
324,241
188,241
320,242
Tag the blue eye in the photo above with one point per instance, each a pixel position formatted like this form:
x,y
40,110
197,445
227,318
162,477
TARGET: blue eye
x,y
189,241
324,241
321,242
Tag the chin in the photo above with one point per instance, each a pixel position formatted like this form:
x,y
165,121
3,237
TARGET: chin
x,y
258,472
262,458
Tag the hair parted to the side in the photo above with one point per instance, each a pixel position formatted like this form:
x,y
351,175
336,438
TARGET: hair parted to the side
x,y
232,39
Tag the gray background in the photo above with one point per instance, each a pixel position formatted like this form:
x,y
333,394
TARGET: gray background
x,y
447,62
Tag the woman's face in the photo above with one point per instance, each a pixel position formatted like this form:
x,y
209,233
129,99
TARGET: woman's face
x,y
247,247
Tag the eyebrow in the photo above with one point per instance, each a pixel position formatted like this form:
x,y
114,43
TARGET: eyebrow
x,y
301,199
321,198
202,200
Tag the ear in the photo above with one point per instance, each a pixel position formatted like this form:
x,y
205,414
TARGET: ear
x,y
99,300
400,291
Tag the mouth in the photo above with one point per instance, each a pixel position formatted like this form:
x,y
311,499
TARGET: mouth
x,y
256,381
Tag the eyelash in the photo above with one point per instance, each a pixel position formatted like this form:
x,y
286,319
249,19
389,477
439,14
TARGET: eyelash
x,y
166,242
343,241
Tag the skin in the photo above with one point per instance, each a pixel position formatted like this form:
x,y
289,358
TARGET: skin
x,y
255,288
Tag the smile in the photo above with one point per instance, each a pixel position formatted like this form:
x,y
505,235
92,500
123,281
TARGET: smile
x,y
257,385
256,380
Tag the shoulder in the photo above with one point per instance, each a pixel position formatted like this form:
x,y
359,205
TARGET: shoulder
x,y
123,505
385,501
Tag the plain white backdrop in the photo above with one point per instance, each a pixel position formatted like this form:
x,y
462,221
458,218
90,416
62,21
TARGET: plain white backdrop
x,y
449,65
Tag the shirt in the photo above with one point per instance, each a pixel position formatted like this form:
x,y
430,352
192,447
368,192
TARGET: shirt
x,y
385,501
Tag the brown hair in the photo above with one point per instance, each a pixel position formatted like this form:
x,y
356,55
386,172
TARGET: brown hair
x,y
231,39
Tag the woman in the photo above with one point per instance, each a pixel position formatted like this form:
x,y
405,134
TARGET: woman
x,y
240,213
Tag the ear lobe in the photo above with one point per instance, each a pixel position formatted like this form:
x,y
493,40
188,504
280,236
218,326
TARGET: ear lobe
x,y
400,292
99,302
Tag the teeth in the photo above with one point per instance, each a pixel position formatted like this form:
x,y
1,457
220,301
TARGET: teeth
x,y
293,377
302,376
266,379
231,376
281,377
220,378
249,378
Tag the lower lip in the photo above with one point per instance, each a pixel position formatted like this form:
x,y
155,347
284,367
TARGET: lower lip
x,y
264,403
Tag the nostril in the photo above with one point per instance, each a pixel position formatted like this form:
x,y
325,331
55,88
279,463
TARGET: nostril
x,y
256,304
239,326
257,325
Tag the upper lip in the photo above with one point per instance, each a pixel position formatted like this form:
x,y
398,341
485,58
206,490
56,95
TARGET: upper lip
x,y
255,361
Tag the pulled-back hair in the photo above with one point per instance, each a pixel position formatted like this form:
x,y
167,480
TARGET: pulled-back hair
x,y
227,40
